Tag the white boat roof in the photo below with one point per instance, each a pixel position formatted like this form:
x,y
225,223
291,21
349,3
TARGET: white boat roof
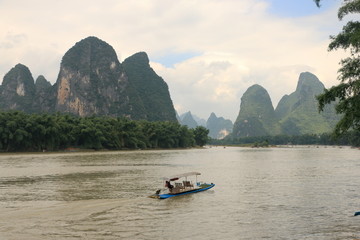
x,y
182,175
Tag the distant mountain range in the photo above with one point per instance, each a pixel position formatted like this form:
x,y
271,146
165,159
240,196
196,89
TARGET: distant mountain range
x,y
92,81
218,126
188,119
295,114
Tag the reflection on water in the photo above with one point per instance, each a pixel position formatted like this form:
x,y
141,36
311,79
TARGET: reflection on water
x,y
278,193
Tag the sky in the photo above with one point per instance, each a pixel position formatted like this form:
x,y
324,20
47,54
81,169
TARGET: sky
x,y
207,51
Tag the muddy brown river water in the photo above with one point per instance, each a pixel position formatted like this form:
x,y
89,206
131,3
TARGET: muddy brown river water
x,y
275,193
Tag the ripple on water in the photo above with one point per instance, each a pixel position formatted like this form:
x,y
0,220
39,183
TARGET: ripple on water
x,y
297,193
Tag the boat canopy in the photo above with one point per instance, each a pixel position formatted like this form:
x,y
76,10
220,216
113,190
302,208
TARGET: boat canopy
x,y
176,177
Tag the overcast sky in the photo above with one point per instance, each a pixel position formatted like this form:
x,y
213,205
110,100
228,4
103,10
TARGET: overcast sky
x,y
208,51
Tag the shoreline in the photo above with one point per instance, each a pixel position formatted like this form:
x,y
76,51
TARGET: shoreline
x,y
82,150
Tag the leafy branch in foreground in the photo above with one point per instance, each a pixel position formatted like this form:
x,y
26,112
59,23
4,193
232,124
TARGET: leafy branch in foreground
x,y
347,93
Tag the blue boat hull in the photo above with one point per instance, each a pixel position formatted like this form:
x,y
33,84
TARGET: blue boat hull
x,y
203,187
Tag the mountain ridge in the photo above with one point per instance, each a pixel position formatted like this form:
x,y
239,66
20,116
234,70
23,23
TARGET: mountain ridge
x,y
296,113
91,81
256,116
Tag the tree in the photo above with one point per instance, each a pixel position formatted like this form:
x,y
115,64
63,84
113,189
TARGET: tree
x,y
36,132
347,93
201,135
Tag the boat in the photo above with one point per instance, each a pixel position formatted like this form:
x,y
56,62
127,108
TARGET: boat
x,y
181,184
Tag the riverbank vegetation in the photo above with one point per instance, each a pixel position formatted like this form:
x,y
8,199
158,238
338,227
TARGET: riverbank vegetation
x,y
52,132
351,138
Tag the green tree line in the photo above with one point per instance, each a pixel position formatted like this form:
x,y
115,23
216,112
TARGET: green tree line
x,y
351,138
38,132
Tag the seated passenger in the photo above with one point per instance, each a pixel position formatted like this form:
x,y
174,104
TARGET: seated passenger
x,y
168,185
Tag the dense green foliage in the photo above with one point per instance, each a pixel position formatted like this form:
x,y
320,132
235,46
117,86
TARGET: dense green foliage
x,y
36,132
351,139
348,91
201,135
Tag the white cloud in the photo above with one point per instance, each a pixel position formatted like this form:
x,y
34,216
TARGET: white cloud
x,y
240,44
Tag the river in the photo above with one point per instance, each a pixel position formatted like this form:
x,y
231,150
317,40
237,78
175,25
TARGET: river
x,y
270,193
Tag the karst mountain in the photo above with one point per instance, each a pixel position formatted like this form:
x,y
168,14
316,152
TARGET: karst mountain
x,y
92,81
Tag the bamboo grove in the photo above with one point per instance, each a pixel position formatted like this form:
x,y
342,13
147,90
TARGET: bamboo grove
x,y
52,132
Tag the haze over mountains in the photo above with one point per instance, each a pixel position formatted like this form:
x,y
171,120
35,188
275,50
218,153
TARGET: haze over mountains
x,y
218,126
92,81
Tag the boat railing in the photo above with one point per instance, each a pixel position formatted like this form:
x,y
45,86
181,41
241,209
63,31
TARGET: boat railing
x,y
188,184
179,185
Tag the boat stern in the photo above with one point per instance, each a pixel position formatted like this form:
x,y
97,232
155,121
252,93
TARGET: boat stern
x,y
156,196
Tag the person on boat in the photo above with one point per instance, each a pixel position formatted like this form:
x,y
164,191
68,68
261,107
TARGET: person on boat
x,y
168,185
